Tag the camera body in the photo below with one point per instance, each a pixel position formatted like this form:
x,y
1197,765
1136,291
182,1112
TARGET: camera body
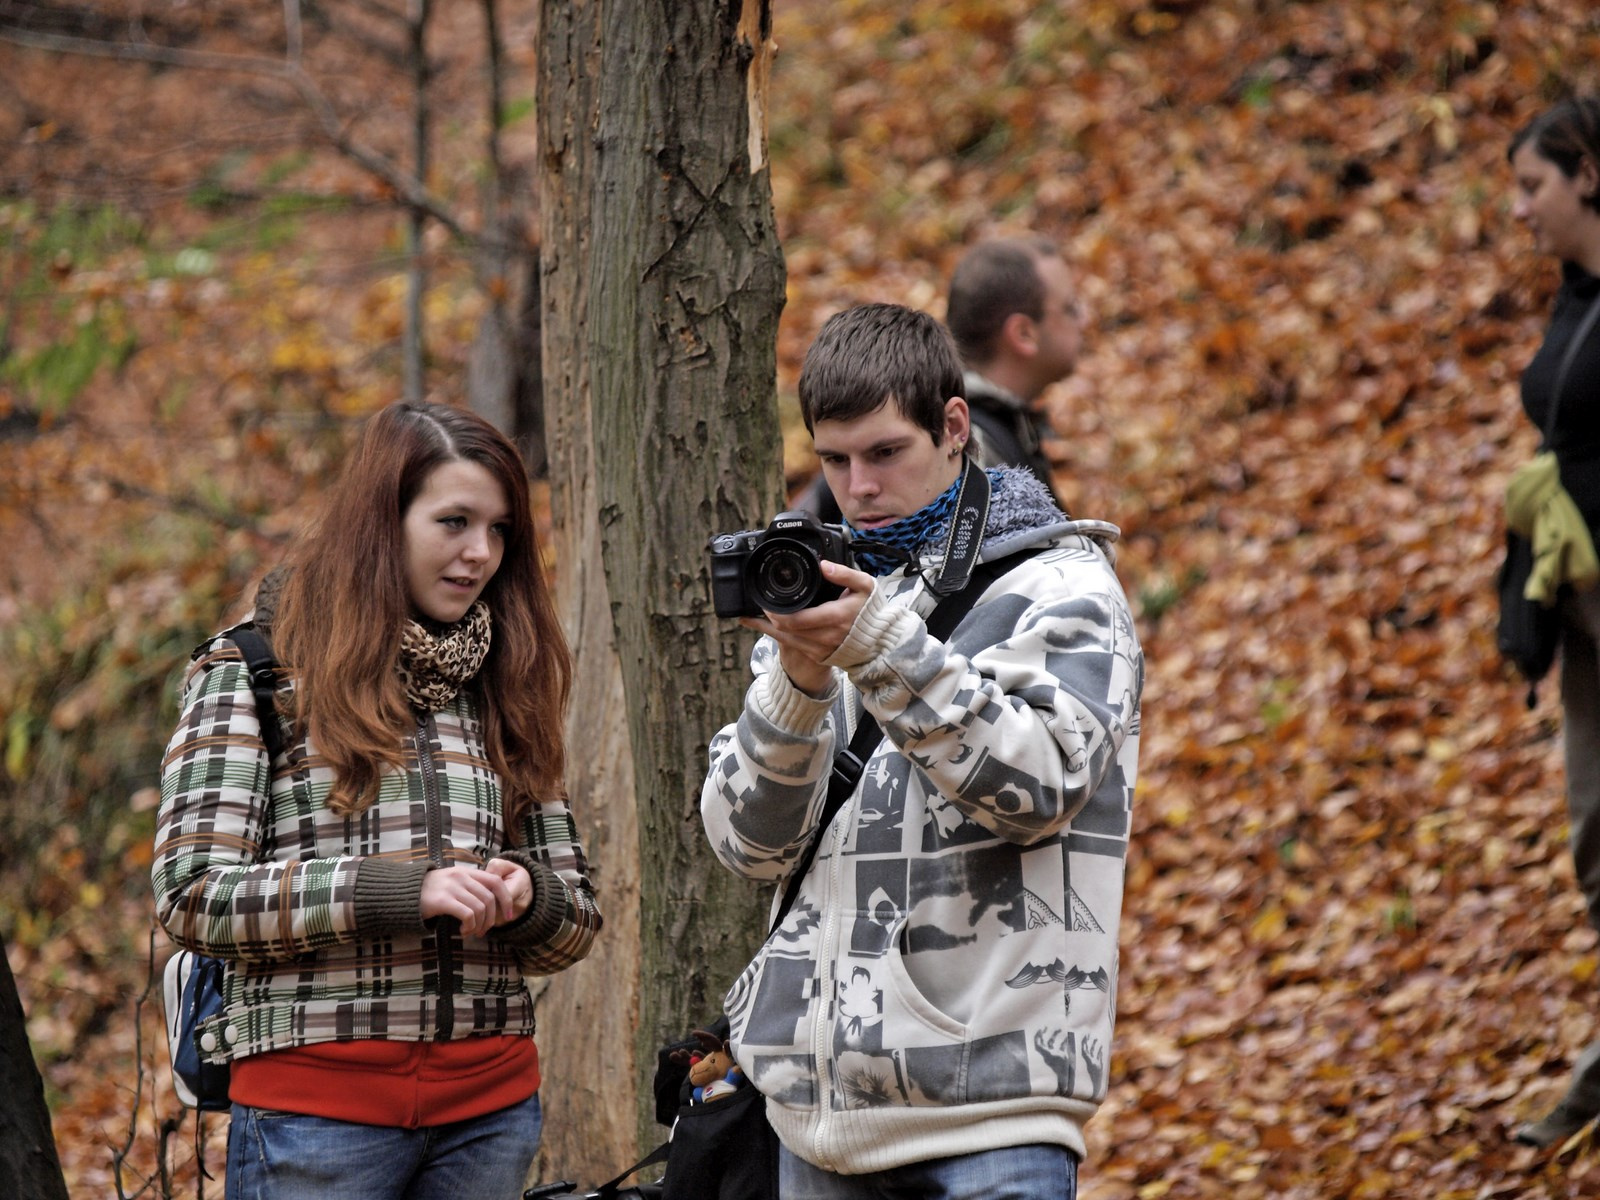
x,y
777,569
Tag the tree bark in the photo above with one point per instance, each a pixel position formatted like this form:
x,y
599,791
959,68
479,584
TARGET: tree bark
x,y
662,286
29,1168
415,337
588,1013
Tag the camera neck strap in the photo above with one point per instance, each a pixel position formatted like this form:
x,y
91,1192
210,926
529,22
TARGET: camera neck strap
x,y
966,532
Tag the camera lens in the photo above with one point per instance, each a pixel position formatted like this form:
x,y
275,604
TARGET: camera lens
x,y
783,576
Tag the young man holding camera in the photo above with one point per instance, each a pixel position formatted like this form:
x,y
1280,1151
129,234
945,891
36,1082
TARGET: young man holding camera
x,y
933,1016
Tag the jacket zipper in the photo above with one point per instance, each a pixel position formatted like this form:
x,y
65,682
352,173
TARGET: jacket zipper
x,y
444,926
821,1041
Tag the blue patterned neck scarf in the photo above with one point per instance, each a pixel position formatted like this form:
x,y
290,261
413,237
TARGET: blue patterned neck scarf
x,y
903,538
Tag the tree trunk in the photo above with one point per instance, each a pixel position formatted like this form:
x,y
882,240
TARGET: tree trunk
x,y
414,341
588,1016
503,380
29,1168
663,282
504,385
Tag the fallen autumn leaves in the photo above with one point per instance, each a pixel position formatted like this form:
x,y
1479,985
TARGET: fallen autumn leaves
x,y
1353,951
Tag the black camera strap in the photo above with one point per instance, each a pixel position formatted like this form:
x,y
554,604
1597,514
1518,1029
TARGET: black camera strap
x,y
969,517
966,531
849,763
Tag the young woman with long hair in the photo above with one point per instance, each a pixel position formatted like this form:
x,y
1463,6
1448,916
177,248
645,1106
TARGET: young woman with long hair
x,y
380,888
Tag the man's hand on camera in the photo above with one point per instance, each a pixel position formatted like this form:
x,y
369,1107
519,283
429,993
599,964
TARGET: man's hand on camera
x,y
808,637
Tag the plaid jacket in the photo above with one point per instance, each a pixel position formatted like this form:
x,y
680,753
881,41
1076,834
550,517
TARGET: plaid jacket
x,y
317,914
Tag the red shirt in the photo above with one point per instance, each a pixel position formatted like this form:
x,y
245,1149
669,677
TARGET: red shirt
x,y
409,1085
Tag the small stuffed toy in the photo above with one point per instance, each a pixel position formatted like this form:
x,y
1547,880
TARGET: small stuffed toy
x,y
712,1071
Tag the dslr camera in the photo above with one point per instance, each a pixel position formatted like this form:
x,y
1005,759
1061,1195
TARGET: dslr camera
x,y
777,569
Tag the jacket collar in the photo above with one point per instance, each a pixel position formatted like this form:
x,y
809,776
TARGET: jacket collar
x,y
1022,514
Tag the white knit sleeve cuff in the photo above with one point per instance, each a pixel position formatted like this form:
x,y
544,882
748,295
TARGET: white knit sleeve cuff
x,y
776,699
878,628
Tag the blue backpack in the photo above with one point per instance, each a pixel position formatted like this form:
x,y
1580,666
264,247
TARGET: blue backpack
x,y
191,988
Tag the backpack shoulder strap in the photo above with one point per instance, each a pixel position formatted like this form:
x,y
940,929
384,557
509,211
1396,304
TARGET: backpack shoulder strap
x,y
262,666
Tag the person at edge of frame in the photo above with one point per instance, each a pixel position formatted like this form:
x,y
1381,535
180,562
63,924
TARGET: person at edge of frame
x,y
1555,164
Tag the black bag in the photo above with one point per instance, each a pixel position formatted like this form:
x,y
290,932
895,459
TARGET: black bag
x,y
723,1150
720,1149
1529,633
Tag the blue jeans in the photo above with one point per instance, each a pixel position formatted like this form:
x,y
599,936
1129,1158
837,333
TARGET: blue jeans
x,y
286,1156
1011,1173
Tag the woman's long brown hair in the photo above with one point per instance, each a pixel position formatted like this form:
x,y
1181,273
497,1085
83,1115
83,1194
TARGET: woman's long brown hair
x,y
345,601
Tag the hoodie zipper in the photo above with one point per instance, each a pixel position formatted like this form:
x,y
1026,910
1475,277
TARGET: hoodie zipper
x,y
444,927
828,936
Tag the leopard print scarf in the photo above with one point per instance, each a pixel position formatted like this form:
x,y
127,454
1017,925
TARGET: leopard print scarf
x,y
436,660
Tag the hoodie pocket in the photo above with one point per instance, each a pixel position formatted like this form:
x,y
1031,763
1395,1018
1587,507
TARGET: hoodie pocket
x,y
909,994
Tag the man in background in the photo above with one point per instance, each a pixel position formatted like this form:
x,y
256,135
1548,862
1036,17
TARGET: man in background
x,y
1017,321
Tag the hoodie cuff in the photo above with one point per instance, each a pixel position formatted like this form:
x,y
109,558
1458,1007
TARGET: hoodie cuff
x,y
777,701
389,895
879,628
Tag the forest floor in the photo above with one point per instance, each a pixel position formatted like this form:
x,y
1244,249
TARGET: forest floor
x,y
1353,951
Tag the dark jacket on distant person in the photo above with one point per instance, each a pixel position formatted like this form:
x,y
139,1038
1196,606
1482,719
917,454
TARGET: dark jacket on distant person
x,y
1009,433
1576,436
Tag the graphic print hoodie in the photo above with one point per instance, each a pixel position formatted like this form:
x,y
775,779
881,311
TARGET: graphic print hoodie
x,y
945,983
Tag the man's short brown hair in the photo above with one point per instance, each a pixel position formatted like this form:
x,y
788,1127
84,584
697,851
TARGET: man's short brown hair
x,y
992,281
863,356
